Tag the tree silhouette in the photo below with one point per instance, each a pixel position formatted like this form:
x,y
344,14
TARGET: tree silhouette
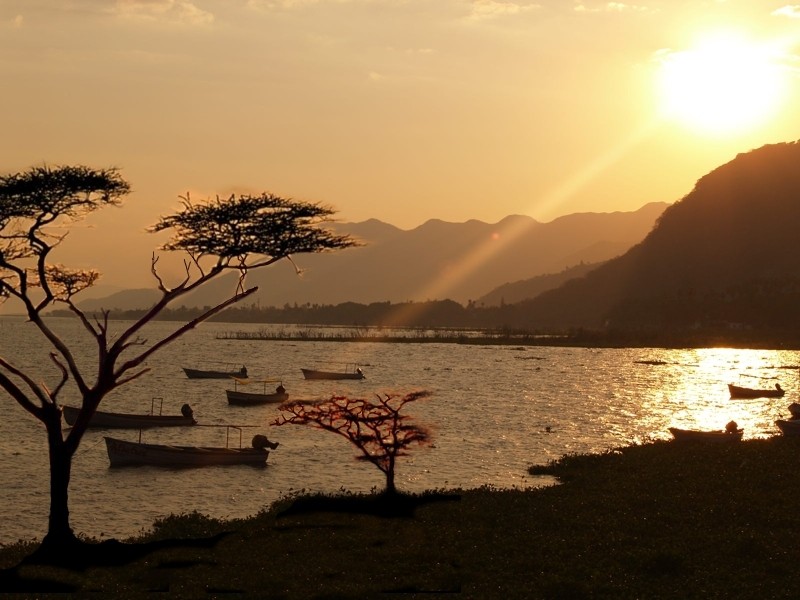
x,y
238,233
377,429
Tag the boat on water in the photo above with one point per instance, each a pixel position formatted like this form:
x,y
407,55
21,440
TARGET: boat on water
x,y
122,453
789,427
349,372
696,435
239,397
214,374
737,391
794,410
114,420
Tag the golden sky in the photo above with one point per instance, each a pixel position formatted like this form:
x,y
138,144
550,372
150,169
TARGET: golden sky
x,y
401,110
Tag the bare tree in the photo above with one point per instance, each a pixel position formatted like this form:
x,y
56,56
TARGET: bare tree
x,y
239,233
377,429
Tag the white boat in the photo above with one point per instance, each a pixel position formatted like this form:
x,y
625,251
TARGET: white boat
x,y
241,398
789,427
350,372
214,374
696,435
113,420
123,453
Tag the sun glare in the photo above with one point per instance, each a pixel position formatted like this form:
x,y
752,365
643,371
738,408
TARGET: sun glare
x,y
724,84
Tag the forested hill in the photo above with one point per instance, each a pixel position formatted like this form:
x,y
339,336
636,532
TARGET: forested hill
x,y
724,257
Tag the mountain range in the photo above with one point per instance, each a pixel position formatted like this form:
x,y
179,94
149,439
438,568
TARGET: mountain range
x,y
464,262
720,259
718,265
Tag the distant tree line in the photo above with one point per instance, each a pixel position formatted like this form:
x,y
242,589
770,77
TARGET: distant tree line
x,y
760,312
429,314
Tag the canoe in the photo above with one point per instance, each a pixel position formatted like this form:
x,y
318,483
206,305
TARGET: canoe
x,y
239,398
252,398
123,453
132,421
789,427
201,374
694,435
346,374
744,392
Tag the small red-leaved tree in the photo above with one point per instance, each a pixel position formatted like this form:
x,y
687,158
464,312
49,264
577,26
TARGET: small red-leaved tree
x,y
377,429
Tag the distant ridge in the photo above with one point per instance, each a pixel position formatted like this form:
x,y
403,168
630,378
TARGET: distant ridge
x,y
724,257
437,260
511,293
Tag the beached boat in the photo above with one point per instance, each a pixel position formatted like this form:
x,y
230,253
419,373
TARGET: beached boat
x,y
251,398
789,427
349,372
113,420
745,392
123,453
695,435
212,374
794,410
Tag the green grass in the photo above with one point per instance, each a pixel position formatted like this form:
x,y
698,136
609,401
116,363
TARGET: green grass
x,y
659,520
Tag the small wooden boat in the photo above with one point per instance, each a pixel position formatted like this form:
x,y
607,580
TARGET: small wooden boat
x,y
112,420
695,435
744,392
240,398
201,374
123,453
789,427
350,372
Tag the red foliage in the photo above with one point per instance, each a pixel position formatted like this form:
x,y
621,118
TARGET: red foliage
x,y
378,429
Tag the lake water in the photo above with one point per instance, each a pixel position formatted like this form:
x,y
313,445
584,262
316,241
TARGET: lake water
x,y
489,413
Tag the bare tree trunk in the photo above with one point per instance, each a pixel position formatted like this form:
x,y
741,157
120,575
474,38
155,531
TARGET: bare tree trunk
x,y
391,490
58,529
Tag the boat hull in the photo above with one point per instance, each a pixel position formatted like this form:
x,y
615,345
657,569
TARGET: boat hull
x,y
312,374
789,427
127,421
122,453
693,435
238,398
200,374
743,392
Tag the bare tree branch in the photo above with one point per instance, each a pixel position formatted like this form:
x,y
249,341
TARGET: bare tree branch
x,y
242,233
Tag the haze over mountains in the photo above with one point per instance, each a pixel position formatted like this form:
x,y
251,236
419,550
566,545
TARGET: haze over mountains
x,y
437,260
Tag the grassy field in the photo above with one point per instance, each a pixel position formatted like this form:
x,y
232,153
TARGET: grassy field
x,y
659,520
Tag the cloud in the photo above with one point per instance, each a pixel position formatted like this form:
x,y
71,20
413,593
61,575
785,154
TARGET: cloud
x,y
291,4
16,22
791,11
607,7
173,11
489,9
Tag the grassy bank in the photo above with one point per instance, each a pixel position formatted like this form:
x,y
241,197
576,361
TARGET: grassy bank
x,y
659,520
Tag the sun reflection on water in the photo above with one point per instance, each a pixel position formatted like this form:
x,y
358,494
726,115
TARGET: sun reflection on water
x,y
691,392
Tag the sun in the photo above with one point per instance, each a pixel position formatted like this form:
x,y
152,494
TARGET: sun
x,y
724,84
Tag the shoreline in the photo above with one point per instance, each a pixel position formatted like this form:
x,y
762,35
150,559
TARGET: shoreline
x,y
656,520
540,340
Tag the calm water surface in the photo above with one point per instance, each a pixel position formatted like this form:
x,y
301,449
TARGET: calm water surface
x,y
488,413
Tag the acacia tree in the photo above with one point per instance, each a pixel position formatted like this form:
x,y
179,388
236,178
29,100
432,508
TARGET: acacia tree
x,y
377,429
239,233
